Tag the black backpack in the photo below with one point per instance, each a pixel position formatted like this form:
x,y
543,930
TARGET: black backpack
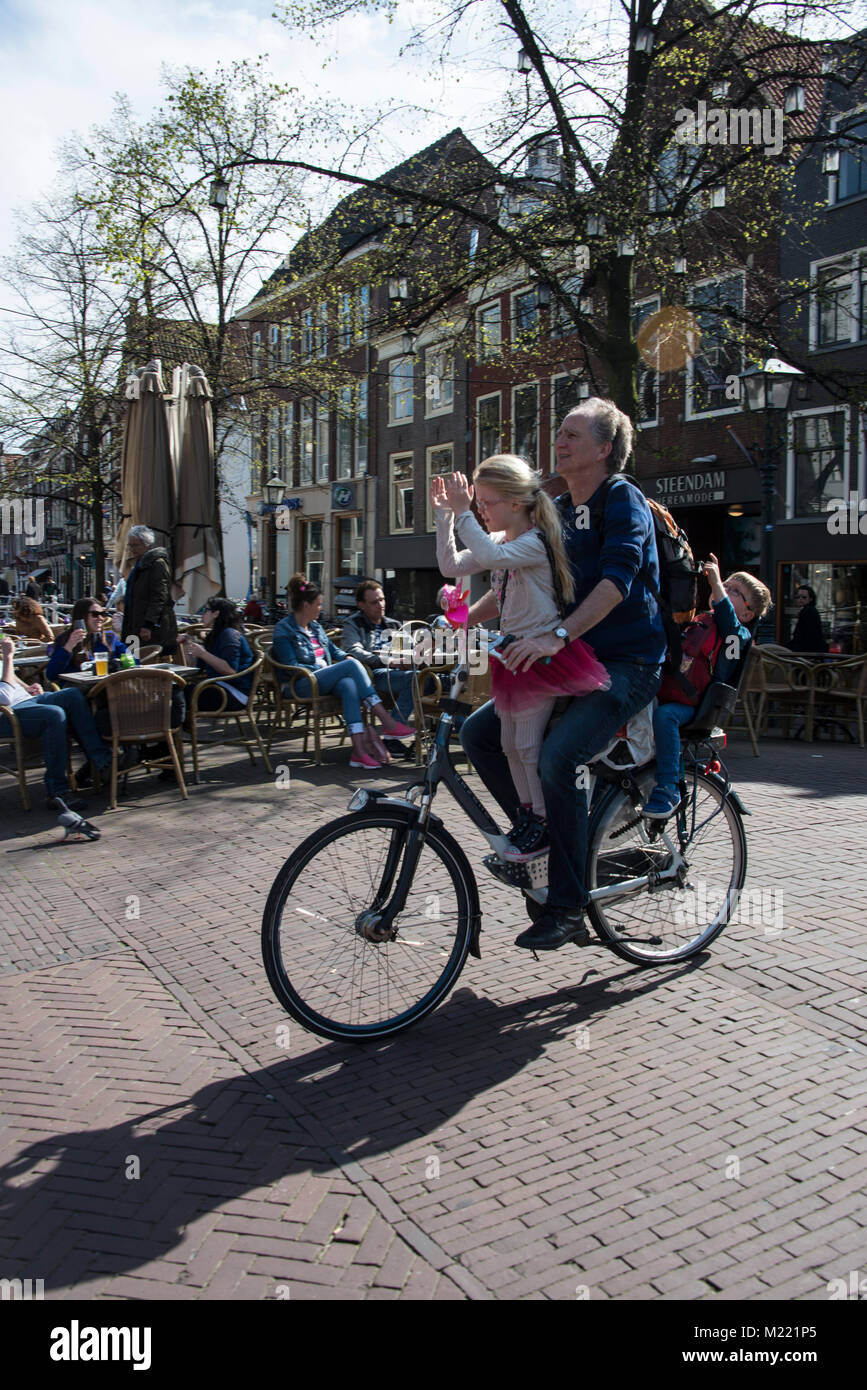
x,y
678,576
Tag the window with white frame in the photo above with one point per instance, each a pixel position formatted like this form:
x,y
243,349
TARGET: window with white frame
x,y
344,320
647,371
525,422
718,307
525,316
273,454
322,444
439,379
400,492
344,434
838,307
287,424
489,426
350,545
313,551
256,355
474,243
287,344
819,461
274,345
322,330
362,313
562,322
400,390
361,428
489,332
305,437
675,172
850,181
307,335
438,459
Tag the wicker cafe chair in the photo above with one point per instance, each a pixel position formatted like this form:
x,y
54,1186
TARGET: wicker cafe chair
x,y
150,654
140,710
787,682
247,712
319,707
28,754
842,689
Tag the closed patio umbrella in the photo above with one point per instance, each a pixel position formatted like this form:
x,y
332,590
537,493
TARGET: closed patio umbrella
x,y
197,534
148,487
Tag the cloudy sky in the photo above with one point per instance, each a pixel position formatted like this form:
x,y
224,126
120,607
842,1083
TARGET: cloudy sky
x,y
61,61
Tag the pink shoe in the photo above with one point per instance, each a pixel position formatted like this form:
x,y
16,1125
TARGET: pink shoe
x,y
399,731
363,760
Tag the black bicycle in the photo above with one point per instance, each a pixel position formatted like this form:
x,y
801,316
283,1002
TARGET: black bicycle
x,y
370,921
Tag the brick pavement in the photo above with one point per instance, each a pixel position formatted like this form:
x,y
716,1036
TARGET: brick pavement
x,y
557,1128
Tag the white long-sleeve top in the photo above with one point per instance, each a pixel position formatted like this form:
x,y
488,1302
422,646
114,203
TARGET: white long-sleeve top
x,y
530,606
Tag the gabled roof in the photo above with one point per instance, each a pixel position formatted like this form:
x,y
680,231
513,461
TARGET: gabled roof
x,y
452,161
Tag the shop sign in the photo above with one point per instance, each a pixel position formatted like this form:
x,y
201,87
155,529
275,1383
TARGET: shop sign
x,y
691,489
343,496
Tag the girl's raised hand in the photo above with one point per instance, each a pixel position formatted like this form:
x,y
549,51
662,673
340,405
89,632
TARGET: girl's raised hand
x,y
438,499
459,492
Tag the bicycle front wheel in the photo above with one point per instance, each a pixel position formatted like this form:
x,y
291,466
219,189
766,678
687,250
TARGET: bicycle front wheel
x,y
320,962
673,920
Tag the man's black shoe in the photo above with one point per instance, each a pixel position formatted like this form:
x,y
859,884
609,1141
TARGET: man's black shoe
x,y
553,929
66,803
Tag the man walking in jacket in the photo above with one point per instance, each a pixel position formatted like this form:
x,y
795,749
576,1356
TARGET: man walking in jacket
x,y
148,612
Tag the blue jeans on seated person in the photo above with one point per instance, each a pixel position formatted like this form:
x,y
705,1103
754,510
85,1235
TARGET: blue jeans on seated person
x,y
346,679
398,684
587,727
667,721
46,717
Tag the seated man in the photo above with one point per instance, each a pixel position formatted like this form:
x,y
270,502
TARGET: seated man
x,y
45,715
610,540
366,635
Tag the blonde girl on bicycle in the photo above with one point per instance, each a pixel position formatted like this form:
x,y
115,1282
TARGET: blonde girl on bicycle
x,y
532,582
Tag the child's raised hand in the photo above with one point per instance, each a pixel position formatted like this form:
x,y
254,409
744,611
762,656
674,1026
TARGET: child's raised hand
x,y
459,492
438,498
711,571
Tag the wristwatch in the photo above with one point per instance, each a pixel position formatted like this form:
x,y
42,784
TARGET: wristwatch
x,y
561,632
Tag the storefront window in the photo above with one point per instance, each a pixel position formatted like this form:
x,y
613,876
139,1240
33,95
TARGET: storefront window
x,y
313,554
841,599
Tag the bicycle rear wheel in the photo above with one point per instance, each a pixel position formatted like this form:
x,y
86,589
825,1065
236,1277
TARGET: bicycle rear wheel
x,y
320,964
672,920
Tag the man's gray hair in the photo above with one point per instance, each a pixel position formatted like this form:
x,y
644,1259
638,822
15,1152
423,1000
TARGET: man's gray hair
x,y
608,425
141,533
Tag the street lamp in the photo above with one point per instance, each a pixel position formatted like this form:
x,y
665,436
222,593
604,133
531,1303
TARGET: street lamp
x,y
768,388
219,195
273,493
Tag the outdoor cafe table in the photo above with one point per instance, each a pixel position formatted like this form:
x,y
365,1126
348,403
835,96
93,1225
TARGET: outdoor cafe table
x,y
21,661
86,680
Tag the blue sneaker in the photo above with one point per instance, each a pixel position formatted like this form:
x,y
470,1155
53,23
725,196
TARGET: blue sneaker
x,y
662,803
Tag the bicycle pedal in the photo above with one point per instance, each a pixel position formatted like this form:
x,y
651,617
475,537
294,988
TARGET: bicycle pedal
x,y
527,877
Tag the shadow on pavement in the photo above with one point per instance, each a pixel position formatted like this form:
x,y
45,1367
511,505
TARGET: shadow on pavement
x,y
117,1198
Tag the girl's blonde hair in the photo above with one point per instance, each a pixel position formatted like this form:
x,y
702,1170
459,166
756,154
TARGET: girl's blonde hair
x,y
516,481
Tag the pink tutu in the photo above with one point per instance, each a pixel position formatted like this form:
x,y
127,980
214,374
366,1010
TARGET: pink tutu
x,y
573,671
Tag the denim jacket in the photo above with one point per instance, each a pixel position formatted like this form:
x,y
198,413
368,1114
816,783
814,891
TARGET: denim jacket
x,y
292,647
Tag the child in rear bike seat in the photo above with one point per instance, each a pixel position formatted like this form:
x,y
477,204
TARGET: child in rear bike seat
x,y
713,647
532,582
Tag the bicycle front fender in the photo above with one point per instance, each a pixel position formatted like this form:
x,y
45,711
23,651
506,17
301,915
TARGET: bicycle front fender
x,y
730,795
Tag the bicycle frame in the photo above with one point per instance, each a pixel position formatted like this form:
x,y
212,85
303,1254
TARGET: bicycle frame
x,y
440,768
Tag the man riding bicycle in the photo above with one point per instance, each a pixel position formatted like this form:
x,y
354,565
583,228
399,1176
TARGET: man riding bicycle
x,y
616,573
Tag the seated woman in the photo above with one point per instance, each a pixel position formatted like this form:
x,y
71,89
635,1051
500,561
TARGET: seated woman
x,y
299,640
224,651
82,638
30,620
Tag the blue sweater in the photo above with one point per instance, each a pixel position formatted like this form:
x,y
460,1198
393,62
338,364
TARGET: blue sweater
x,y
60,659
633,631
727,625
231,646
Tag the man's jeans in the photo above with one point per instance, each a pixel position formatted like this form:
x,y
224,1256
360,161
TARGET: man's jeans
x,y
46,716
582,733
398,684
